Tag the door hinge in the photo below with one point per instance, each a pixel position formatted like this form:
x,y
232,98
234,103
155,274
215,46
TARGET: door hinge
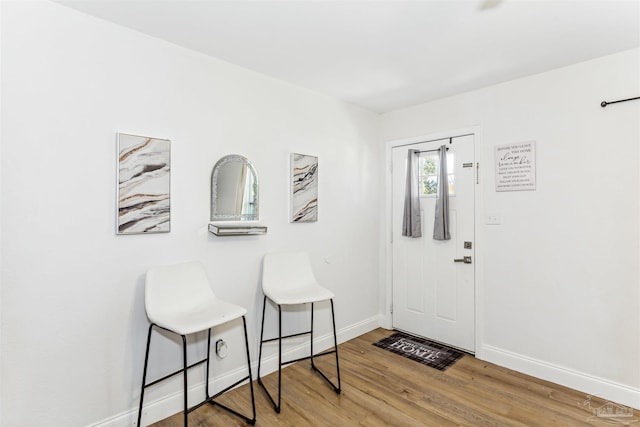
x,y
478,173
391,308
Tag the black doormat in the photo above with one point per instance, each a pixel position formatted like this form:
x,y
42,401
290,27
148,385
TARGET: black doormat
x,y
421,350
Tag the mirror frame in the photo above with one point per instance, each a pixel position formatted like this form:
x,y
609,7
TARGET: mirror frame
x,y
214,216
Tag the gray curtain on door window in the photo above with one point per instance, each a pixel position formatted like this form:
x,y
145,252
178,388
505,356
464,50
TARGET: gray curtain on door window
x,y
411,221
441,223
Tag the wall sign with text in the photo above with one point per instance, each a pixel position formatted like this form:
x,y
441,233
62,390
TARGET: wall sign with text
x,y
516,166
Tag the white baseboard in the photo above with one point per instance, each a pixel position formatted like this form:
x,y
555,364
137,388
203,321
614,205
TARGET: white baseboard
x,y
163,407
589,384
353,331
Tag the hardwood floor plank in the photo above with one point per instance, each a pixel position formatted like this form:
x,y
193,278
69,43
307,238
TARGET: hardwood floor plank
x,y
380,388
531,395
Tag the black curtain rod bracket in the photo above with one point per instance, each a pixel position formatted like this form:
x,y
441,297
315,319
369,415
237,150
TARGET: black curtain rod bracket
x,y
605,103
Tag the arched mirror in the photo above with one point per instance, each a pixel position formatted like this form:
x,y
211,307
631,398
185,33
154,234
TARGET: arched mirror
x,y
234,190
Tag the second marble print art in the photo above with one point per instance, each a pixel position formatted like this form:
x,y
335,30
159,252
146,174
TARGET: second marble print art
x,y
304,188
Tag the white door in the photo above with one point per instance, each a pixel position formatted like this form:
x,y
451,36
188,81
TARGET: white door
x,y
433,288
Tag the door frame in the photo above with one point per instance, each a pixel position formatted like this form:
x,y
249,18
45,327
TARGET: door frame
x,y
482,175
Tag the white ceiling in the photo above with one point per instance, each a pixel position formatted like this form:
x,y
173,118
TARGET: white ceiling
x,y
386,55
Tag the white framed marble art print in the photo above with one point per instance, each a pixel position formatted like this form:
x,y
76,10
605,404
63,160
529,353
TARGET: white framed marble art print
x,y
144,166
304,188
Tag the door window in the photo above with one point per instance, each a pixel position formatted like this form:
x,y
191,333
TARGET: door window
x,y
429,170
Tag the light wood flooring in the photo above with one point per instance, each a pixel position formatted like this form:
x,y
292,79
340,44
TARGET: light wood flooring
x,y
380,388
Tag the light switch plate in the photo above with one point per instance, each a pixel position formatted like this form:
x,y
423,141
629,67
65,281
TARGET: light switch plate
x,y
493,218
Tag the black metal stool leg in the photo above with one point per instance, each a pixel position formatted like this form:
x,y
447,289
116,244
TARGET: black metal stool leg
x,y
279,358
212,399
253,399
186,400
206,377
276,406
264,387
144,374
264,307
336,388
313,366
335,343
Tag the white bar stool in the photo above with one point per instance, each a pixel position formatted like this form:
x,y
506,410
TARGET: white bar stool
x,y
287,279
179,299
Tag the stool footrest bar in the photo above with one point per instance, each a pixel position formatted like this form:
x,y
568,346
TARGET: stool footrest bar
x,y
308,357
179,371
287,336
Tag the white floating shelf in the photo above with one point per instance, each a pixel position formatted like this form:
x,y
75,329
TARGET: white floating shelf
x,y
236,229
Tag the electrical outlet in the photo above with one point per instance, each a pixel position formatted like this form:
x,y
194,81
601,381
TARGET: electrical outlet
x,y
222,349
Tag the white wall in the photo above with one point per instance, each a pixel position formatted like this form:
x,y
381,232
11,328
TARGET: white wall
x,y
558,293
73,322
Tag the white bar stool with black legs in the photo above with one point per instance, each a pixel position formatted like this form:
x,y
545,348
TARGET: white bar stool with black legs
x,y
287,279
179,299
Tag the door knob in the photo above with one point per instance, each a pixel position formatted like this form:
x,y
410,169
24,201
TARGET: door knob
x,y
466,260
